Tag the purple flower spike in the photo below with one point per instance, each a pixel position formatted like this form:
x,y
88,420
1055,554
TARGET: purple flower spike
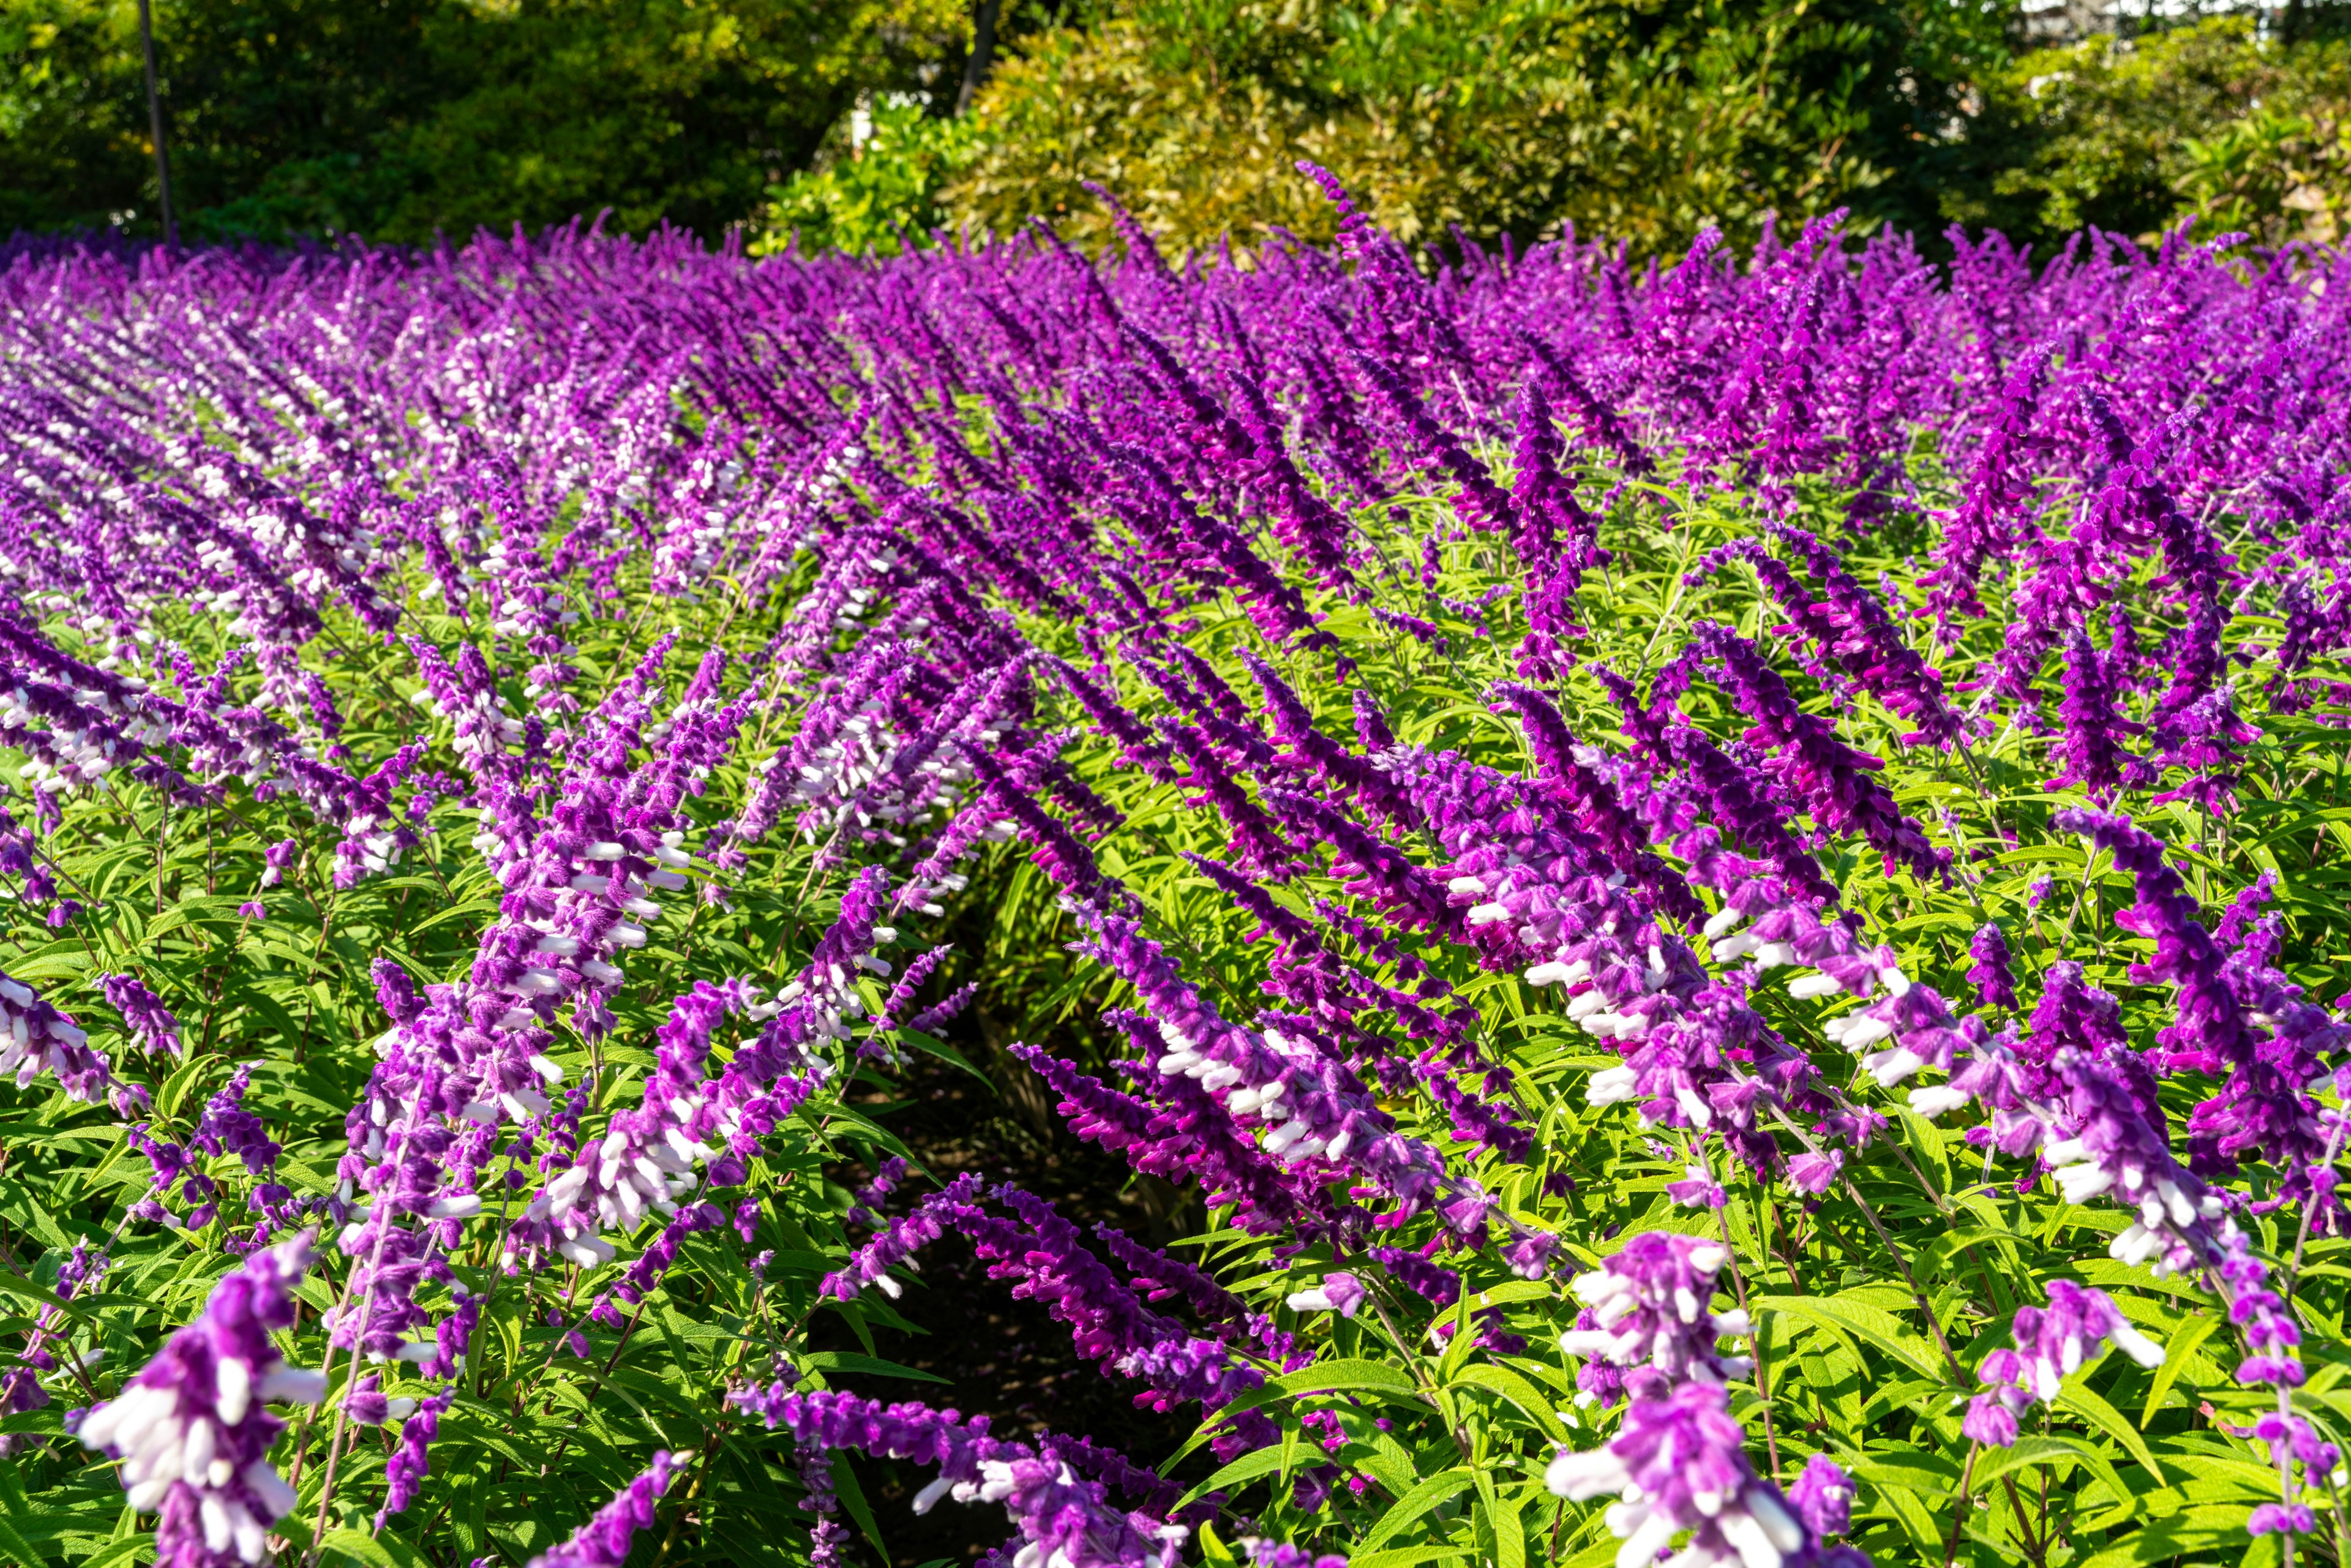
x,y
1679,1464
405,1471
2053,1343
604,1542
1990,971
1648,1309
151,1024
192,1429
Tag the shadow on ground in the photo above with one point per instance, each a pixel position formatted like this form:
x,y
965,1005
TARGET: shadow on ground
x,y
1001,1357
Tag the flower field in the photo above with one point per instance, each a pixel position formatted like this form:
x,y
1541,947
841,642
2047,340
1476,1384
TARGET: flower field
x,y
1724,884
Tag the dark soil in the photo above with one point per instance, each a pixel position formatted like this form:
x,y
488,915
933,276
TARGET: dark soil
x,y
1001,1357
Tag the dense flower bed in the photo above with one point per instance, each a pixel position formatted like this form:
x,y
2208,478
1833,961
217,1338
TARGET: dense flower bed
x,y
1719,877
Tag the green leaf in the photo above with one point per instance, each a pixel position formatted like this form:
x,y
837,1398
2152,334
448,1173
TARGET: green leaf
x,y
852,1497
1509,1539
2104,1419
872,1366
375,1551
1424,1495
1349,1376
1353,1374
2192,1332
15,1514
1249,1466
1993,1463
17,1285
1870,1323
945,1053
1515,1387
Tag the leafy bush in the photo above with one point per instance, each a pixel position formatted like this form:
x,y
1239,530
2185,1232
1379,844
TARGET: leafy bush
x,y
1719,877
1633,122
2134,135
879,194
400,120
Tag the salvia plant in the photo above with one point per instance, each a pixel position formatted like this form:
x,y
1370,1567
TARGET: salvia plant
x,y
1723,880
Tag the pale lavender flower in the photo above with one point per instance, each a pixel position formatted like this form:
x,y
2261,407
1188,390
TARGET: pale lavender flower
x,y
1338,1292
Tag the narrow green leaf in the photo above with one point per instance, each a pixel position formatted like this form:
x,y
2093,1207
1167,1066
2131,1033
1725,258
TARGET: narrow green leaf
x,y
2193,1332
1869,1323
1249,1466
1515,1387
1424,1496
872,1366
2105,1418
852,1497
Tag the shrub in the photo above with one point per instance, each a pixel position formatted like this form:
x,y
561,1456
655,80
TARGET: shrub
x,y
402,119
878,195
2134,135
1632,122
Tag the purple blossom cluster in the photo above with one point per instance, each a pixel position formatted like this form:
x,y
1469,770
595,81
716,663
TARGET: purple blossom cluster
x,y
1280,637
192,1429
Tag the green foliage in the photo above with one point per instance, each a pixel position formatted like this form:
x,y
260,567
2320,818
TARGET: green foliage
x,y
2134,135
401,117
73,131
540,1435
876,196
1633,121
1876,1301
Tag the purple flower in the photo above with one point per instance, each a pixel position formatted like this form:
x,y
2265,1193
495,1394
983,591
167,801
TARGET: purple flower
x,y
1822,1497
1990,971
604,1542
1061,1515
1440,1287
2281,1518
35,1037
1679,1463
1338,1292
2091,749
2053,1343
2235,1018
405,1471
192,1429
1270,1554
150,1024
1649,1308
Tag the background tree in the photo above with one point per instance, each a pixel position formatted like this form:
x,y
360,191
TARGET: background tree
x,y
399,118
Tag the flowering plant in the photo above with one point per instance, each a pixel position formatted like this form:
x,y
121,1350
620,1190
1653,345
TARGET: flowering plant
x,y
1717,881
